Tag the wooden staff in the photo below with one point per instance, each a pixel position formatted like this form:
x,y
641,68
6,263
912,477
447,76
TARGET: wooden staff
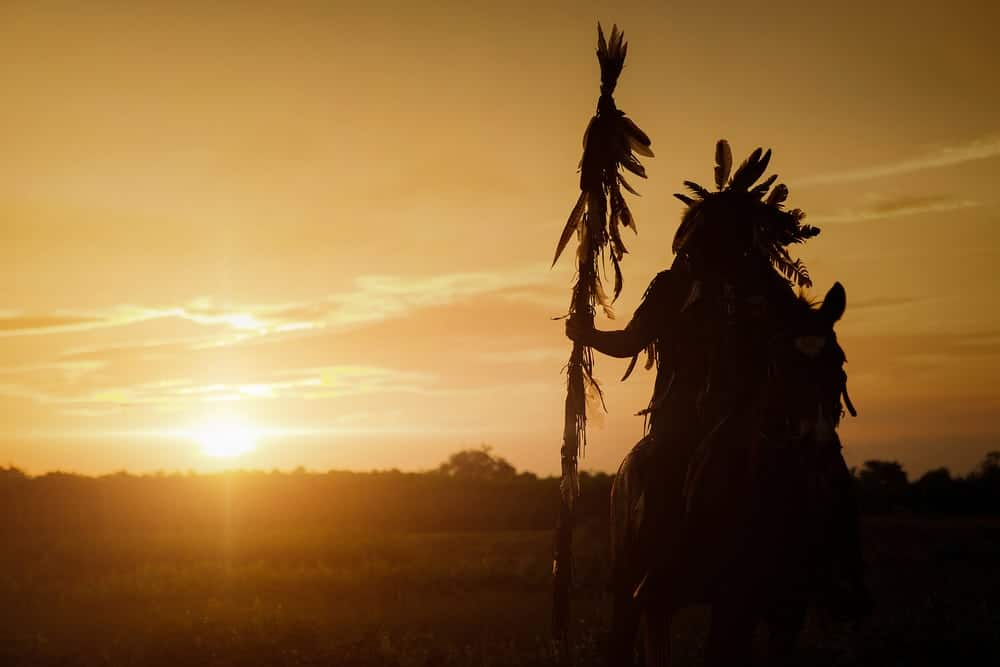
x,y
609,144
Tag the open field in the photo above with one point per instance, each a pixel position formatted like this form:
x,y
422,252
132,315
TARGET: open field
x,y
274,596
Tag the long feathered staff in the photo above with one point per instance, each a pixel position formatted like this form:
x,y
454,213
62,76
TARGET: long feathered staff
x,y
609,144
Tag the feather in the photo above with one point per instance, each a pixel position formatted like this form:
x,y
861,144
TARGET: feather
x,y
602,298
634,166
624,148
696,189
637,139
572,225
761,190
615,200
793,269
684,198
751,169
740,172
594,393
611,56
586,133
615,43
638,146
633,129
802,274
631,367
618,249
778,195
599,294
650,355
624,184
619,280
723,162
626,216
687,228
807,232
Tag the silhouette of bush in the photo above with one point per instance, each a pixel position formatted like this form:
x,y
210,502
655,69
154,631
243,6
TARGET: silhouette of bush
x,y
477,464
936,491
984,484
883,486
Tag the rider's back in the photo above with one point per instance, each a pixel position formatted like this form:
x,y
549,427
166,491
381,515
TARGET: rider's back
x,y
713,327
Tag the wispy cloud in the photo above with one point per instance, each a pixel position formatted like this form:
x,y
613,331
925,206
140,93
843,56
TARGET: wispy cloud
x,y
884,302
895,208
372,298
983,340
526,355
304,383
20,322
24,324
946,156
66,371
380,297
343,352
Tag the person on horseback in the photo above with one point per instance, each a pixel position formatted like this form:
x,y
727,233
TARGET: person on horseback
x,y
705,324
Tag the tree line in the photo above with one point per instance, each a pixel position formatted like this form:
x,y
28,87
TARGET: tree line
x,y
472,490
884,486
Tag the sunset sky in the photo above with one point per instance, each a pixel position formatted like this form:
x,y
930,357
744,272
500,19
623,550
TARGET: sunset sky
x,y
328,226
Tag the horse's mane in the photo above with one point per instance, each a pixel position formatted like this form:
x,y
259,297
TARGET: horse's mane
x,y
801,308
807,302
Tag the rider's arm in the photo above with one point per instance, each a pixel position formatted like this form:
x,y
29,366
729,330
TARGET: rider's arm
x,y
623,343
660,298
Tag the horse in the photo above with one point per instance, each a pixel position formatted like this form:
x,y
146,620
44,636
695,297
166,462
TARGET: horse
x,y
757,494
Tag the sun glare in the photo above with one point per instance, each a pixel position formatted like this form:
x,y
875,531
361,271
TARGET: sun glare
x,y
225,437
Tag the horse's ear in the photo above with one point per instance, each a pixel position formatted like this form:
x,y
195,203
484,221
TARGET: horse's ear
x,y
834,303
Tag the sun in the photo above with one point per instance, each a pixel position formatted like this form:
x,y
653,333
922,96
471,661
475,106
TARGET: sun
x,y
225,437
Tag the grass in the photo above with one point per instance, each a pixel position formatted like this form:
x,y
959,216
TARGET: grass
x,y
289,597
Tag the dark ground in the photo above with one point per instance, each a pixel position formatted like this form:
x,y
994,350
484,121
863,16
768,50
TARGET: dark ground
x,y
270,596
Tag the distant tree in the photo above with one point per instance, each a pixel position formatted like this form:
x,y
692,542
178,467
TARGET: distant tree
x,y
478,464
12,473
886,474
984,483
883,485
989,468
939,478
936,491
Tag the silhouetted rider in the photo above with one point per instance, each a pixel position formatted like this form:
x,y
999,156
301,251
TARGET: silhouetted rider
x,y
705,323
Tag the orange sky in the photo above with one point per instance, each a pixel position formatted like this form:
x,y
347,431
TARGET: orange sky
x,y
333,224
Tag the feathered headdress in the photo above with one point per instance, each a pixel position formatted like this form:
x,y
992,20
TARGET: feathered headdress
x,y
743,209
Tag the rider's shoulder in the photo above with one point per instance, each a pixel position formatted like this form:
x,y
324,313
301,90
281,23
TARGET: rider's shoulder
x,y
676,277
666,287
662,279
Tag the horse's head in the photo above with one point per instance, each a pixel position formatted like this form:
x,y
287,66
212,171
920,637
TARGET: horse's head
x,y
806,378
